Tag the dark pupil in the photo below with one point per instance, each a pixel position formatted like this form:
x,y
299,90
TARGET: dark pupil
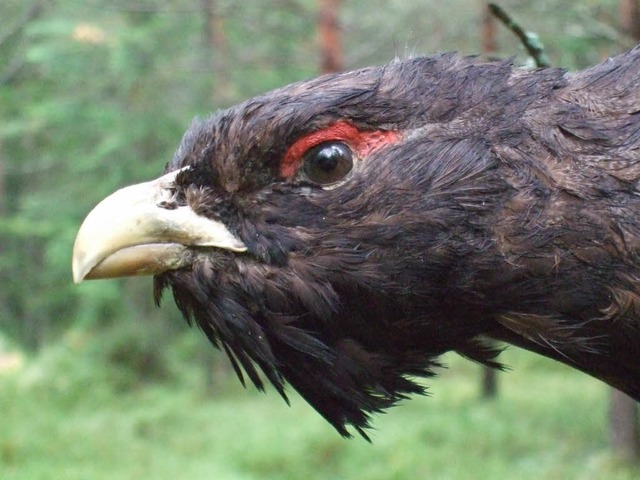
x,y
327,159
328,162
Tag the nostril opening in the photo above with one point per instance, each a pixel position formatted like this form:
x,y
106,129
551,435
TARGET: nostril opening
x,y
168,204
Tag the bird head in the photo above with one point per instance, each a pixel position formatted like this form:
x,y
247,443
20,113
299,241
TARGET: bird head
x,y
338,234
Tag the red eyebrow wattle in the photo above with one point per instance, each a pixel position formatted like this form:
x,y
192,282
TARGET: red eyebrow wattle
x,y
362,142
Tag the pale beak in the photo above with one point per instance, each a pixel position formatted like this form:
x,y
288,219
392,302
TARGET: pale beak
x,y
129,233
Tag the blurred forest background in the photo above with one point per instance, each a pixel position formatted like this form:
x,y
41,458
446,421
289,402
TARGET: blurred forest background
x,y
95,382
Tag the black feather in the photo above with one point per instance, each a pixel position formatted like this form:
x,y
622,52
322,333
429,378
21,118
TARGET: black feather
x,y
505,206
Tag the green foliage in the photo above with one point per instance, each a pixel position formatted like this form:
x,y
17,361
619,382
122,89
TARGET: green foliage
x,y
67,415
101,99
95,95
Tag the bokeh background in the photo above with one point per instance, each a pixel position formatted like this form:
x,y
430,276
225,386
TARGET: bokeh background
x,y
97,383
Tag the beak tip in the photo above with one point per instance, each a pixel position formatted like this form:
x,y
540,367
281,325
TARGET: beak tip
x,y
78,273
81,264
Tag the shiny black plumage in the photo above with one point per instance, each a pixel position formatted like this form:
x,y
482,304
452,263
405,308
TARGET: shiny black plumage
x,y
508,208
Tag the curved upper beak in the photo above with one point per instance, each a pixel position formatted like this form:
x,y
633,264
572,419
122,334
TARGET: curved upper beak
x,y
130,233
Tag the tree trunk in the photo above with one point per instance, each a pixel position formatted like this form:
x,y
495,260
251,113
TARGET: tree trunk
x,y
216,51
624,429
489,384
4,308
623,410
629,13
216,48
329,38
488,32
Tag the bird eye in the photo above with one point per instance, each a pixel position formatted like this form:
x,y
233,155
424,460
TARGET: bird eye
x,y
328,162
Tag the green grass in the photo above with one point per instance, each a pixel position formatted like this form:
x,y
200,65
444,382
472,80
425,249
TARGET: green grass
x,y
67,416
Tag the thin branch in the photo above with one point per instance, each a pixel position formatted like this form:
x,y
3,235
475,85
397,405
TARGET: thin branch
x,y
11,71
530,40
32,13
